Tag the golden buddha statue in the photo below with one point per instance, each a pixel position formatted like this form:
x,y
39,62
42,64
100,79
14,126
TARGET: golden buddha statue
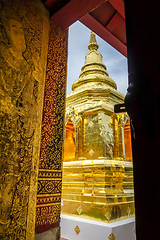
x,y
97,169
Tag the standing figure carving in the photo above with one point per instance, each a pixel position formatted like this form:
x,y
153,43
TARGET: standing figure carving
x,y
18,99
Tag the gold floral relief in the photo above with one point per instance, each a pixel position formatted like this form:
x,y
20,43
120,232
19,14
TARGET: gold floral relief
x,y
24,31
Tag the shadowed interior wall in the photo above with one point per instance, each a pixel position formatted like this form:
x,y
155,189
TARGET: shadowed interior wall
x,y
143,106
24,33
50,174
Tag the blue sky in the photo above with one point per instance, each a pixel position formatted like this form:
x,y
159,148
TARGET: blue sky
x,y
116,63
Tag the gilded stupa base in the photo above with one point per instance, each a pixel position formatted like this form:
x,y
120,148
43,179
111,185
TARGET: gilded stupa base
x,y
98,189
99,212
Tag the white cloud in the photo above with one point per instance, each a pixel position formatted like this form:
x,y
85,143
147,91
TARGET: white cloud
x,y
116,63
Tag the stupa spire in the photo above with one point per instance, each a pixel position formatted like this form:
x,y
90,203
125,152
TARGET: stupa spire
x,y
93,45
93,71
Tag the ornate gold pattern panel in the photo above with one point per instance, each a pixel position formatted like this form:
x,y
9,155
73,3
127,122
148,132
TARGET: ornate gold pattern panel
x,y
50,175
117,136
24,32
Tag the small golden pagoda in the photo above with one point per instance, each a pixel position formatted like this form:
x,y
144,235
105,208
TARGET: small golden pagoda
x,y
97,169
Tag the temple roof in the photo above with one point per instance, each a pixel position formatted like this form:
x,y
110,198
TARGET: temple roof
x,y
105,17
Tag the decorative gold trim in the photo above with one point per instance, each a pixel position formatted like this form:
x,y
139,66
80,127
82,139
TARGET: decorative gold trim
x,y
77,230
49,170
111,237
31,218
48,204
49,195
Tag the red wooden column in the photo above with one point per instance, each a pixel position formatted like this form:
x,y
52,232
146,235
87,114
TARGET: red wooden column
x,y
143,106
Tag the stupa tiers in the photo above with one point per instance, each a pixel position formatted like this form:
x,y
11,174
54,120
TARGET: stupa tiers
x,y
97,168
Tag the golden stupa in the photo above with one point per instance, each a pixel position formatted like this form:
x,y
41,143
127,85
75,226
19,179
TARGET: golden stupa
x,y
97,168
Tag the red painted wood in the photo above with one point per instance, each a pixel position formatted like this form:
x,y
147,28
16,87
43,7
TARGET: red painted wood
x,y
114,33
101,31
117,27
73,11
63,238
119,6
49,3
103,13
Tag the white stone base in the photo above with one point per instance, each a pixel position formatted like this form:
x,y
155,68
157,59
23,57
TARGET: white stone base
x,y
95,230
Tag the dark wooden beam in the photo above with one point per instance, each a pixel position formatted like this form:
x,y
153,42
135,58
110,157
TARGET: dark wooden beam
x,y
143,106
101,31
73,11
117,27
119,6
103,13
54,6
